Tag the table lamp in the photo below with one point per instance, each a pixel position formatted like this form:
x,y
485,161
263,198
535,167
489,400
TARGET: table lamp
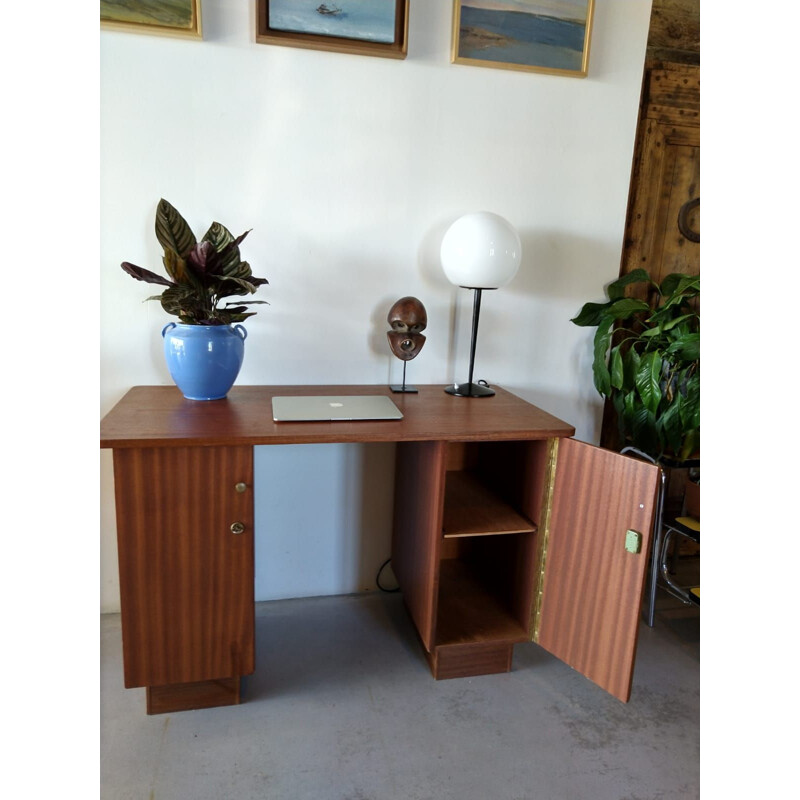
x,y
479,251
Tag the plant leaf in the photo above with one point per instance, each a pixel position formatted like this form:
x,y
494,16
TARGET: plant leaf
x,y
176,268
690,445
649,333
690,408
686,347
184,301
642,427
602,338
591,314
624,308
648,380
145,275
229,286
172,230
671,425
670,283
631,365
668,326
616,289
218,235
615,363
229,260
202,258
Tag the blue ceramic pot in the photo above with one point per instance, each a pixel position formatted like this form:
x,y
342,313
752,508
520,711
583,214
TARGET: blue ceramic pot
x,y
204,360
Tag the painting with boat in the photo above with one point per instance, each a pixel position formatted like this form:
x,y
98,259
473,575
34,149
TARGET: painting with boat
x,y
367,20
535,35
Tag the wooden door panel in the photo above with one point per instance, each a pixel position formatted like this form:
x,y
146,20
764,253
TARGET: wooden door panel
x,y
665,177
592,585
417,534
677,253
186,580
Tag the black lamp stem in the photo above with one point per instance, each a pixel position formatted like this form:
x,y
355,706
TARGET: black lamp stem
x,y
476,313
471,389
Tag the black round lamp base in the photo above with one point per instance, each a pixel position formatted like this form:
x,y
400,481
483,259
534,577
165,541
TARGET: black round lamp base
x,y
469,390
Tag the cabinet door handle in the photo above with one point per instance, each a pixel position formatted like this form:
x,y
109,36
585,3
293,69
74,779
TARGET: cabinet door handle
x,y
240,487
237,527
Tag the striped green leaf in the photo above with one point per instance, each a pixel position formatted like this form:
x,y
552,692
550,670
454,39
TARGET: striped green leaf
x,y
172,230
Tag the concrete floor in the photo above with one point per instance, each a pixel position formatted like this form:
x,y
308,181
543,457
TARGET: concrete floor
x,y
342,706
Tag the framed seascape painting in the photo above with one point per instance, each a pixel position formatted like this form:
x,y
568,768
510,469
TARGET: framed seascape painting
x,y
549,36
363,27
163,17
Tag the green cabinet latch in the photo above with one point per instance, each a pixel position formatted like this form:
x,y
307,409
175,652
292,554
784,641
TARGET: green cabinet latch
x,y
633,541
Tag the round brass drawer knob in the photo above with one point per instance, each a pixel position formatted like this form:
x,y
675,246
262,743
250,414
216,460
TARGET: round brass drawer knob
x,y
241,487
237,527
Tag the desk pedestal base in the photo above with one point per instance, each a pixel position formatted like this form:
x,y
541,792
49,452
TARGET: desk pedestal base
x,y
469,660
187,696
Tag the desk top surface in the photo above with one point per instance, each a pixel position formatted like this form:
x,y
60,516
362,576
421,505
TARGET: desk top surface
x,y
159,416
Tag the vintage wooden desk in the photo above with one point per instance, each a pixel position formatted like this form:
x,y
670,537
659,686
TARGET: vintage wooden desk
x,y
505,530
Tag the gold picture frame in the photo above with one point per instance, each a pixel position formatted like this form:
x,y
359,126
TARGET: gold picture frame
x,y
516,35
317,37
181,18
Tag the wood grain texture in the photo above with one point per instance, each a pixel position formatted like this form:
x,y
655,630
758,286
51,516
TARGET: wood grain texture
x,y
676,85
665,174
159,416
417,530
186,581
592,586
674,31
188,696
466,661
472,607
472,509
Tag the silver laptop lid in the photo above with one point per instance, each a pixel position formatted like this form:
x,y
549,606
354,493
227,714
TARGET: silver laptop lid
x,y
331,408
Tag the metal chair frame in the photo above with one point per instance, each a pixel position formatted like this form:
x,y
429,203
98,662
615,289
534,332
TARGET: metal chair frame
x,y
661,539
681,592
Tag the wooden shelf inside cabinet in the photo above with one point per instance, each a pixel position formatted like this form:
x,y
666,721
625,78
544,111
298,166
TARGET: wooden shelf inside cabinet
x,y
469,612
472,509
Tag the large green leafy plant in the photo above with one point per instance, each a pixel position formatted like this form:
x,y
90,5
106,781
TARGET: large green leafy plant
x,y
200,273
647,361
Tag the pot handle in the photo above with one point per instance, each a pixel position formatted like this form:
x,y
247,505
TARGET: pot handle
x,y
167,327
241,331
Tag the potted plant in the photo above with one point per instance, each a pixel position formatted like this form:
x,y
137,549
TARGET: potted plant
x,y
204,350
647,362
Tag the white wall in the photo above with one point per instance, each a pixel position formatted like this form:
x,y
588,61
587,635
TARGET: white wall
x,y
349,170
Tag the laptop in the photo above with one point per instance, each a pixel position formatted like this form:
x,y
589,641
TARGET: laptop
x,y
333,408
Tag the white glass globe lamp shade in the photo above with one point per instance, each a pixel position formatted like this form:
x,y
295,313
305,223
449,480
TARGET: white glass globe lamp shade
x,y
481,251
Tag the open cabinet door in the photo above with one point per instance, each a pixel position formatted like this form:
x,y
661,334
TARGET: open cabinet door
x,y
592,590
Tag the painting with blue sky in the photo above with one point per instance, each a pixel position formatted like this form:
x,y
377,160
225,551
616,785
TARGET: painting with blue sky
x,y
540,35
367,20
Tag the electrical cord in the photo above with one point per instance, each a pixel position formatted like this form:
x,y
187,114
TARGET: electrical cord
x,y
378,578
